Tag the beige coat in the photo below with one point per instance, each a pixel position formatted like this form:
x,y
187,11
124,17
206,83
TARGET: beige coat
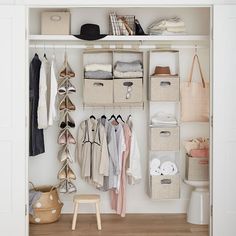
x,y
92,152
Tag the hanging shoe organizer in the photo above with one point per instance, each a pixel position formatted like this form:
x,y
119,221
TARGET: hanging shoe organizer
x,y
66,175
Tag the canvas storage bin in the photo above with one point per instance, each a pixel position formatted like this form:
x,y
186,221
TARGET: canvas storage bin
x,y
55,23
165,187
164,88
98,91
197,168
48,208
128,90
165,138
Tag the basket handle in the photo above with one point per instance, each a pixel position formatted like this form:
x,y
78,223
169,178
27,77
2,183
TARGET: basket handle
x,y
32,185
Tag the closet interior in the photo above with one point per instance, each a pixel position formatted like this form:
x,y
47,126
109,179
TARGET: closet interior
x,y
146,98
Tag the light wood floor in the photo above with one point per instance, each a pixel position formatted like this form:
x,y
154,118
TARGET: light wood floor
x,y
131,225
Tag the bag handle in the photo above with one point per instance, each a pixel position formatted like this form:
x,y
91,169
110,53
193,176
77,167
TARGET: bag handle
x,y
200,69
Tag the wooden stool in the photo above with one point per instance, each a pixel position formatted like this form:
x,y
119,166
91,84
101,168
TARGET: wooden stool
x,y
86,198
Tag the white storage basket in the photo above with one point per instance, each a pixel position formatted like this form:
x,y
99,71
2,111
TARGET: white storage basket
x,y
128,90
165,187
164,88
165,138
98,91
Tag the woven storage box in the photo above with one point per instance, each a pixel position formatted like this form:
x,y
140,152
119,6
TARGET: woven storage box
x,y
165,187
165,138
122,87
164,88
197,168
98,91
55,23
48,208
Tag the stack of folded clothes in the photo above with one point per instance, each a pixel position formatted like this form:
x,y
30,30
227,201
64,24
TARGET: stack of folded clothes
x,y
98,71
132,69
171,26
164,119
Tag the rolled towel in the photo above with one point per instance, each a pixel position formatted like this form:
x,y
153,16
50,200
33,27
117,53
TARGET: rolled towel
x,y
156,171
155,163
130,74
168,168
98,75
128,66
96,67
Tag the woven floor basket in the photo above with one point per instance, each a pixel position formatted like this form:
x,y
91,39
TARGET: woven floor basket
x,y
48,208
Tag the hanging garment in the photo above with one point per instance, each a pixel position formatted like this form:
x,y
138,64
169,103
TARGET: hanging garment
x,y
36,142
53,93
42,105
108,182
92,152
119,199
134,161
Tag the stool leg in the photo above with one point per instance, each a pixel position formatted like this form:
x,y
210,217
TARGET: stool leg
x,y
75,215
98,216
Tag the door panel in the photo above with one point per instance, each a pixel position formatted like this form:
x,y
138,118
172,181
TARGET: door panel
x,y
224,129
12,121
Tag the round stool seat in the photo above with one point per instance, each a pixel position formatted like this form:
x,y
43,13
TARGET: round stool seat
x,y
87,198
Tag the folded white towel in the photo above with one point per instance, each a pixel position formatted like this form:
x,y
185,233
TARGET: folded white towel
x,y
97,67
162,118
168,168
155,172
171,22
130,74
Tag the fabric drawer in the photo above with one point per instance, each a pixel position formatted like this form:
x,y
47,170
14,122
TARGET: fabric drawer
x,y
165,138
98,91
165,187
197,168
128,90
55,23
164,89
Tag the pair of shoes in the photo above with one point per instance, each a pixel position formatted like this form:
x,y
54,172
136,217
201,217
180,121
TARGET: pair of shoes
x,y
65,137
66,70
66,103
66,121
66,87
65,154
66,172
67,187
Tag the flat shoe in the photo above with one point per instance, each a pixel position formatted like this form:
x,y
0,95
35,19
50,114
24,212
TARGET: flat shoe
x,y
71,187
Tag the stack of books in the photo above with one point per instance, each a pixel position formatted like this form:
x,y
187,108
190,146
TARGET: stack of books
x,y
120,25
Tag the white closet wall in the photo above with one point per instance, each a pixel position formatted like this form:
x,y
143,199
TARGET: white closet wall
x,y
43,169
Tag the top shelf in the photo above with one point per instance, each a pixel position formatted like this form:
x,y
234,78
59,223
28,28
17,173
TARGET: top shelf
x,y
123,38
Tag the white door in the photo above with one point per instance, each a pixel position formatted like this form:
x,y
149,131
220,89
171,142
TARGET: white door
x,y
224,124
12,121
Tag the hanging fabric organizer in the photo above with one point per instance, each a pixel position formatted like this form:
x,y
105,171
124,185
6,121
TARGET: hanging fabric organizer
x,y
66,175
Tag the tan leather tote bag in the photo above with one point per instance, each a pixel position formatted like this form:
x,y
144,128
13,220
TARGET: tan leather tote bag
x,y
195,97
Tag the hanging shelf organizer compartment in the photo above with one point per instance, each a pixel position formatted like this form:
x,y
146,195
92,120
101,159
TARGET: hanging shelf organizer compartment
x,y
55,23
164,88
164,138
128,90
98,91
165,187
197,168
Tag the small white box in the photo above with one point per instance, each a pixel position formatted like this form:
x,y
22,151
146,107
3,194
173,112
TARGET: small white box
x,y
165,138
164,88
165,187
57,23
97,91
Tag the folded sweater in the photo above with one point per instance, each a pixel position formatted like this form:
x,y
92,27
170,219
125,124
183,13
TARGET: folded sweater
x,y
128,66
98,74
130,74
98,67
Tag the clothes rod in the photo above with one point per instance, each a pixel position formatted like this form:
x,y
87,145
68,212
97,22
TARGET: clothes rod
x,y
41,46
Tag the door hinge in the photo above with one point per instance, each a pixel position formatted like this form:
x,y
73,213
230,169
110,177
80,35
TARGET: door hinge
x,y
211,121
26,209
211,210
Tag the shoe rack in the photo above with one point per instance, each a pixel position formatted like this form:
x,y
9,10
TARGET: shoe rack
x,y
66,175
